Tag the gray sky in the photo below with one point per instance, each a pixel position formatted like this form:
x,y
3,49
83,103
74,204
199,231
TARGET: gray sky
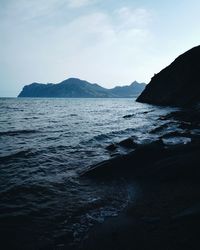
x,y
107,42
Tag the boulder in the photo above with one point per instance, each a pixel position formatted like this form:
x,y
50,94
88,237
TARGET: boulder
x,y
128,143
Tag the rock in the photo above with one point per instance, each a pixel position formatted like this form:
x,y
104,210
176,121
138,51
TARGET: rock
x,y
111,147
185,115
128,116
160,128
115,154
178,165
189,125
134,163
128,143
190,212
176,134
176,85
153,161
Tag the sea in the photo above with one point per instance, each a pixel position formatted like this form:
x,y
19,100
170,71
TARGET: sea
x,y
45,145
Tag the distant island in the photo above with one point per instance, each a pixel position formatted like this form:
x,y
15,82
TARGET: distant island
x,y
76,88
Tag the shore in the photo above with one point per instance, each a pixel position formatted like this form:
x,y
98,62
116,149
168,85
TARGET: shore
x,y
166,215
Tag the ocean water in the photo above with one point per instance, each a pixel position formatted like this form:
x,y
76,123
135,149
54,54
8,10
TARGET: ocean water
x,y
44,146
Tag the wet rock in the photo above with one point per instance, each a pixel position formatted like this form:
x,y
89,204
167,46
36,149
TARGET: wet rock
x,y
128,116
128,143
153,161
184,116
189,125
111,147
132,164
159,129
176,134
190,212
181,163
115,154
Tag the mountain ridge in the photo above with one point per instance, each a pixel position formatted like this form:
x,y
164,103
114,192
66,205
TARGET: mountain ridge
x,y
77,88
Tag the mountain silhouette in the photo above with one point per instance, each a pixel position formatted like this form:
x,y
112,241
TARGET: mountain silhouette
x,y
77,88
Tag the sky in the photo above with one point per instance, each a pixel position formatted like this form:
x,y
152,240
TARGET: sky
x,y
109,42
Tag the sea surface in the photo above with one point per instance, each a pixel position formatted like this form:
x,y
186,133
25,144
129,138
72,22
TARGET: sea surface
x,y
45,144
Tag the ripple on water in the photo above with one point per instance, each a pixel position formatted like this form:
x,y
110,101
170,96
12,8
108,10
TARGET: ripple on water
x,y
45,143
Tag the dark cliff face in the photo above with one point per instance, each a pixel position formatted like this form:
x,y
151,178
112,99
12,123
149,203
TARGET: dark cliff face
x,y
77,88
178,84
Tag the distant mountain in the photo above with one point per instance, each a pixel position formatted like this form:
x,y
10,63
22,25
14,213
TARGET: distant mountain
x,y
178,84
135,89
77,88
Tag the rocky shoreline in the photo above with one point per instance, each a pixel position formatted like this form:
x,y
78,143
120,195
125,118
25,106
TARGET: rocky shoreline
x,y
166,215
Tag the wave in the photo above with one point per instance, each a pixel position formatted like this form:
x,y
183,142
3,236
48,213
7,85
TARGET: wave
x,y
20,154
17,132
113,133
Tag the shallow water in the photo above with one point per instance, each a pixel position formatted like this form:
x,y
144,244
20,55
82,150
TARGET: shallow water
x,y
44,145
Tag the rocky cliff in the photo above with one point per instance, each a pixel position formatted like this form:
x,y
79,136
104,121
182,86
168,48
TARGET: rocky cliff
x,y
176,85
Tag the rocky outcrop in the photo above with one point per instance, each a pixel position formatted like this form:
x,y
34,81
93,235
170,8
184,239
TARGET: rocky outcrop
x,y
176,85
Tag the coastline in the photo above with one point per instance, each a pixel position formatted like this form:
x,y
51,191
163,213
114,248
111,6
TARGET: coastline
x,y
159,219
167,213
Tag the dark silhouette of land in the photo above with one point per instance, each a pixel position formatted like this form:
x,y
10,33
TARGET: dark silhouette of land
x,y
77,88
166,213
178,84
